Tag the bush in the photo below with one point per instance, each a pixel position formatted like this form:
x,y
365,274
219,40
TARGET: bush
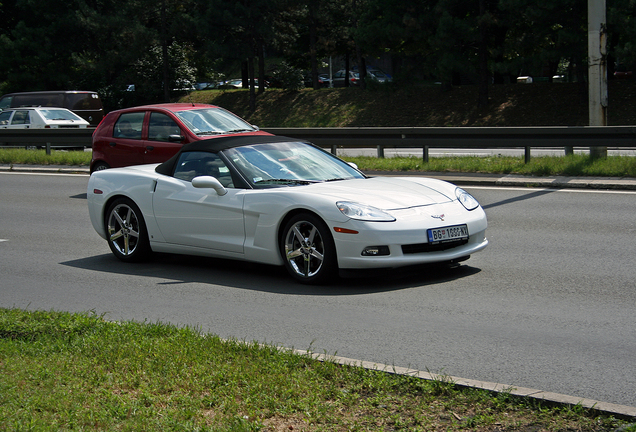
x,y
288,77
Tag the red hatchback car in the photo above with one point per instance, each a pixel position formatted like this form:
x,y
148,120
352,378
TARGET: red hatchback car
x,y
154,133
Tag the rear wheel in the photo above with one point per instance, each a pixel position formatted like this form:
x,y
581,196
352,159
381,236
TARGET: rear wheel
x,y
101,165
308,249
126,231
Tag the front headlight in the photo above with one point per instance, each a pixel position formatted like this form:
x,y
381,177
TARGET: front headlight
x,y
467,200
363,212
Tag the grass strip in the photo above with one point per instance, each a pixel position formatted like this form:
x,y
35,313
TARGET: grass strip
x,y
574,165
13,156
61,371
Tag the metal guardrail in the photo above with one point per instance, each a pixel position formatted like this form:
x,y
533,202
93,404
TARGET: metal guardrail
x,y
392,137
466,137
48,138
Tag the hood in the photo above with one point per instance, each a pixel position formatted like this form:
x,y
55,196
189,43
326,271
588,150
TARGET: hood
x,y
388,193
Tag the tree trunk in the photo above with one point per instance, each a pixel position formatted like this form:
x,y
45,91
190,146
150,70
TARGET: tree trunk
x,y
261,68
483,56
313,40
362,68
250,68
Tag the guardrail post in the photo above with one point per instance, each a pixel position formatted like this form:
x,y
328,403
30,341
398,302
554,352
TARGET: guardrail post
x,y
48,149
380,151
425,154
569,150
334,150
527,155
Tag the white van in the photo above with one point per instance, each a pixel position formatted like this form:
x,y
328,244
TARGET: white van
x,y
85,104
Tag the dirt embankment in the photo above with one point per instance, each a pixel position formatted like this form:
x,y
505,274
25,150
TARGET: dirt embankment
x,y
539,104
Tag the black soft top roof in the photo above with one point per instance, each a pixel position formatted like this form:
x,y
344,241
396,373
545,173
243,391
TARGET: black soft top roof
x,y
215,145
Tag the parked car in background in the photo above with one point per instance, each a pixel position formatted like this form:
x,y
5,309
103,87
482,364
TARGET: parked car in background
x,y
323,80
375,74
378,75
206,85
40,118
623,74
153,133
339,78
85,104
238,84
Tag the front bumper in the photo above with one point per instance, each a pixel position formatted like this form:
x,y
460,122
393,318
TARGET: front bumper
x,y
407,240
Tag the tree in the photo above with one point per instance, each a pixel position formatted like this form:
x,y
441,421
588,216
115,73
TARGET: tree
x,y
544,33
621,19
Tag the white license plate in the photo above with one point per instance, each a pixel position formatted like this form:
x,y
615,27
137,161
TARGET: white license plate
x,y
456,232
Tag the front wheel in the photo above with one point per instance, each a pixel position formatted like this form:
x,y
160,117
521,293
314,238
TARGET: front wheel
x,y
308,249
126,231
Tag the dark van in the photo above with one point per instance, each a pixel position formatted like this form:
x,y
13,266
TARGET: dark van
x,y
85,104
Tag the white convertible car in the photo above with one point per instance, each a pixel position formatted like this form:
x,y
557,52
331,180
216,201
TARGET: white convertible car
x,y
282,201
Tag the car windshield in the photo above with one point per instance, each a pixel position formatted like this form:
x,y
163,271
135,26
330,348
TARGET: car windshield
x,y
377,73
288,164
59,114
213,121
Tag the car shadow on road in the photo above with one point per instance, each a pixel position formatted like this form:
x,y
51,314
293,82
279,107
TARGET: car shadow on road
x,y
171,269
520,198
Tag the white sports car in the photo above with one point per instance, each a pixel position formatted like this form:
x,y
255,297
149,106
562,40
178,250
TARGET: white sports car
x,y
282,201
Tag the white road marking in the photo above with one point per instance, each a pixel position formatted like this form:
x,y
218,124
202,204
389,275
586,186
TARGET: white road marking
x,y
535,189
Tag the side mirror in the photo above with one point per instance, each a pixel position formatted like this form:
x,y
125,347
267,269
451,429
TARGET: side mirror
x,y
175,138
209,182
354,165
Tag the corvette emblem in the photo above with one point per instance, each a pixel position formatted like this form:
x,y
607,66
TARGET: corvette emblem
x,y
440,217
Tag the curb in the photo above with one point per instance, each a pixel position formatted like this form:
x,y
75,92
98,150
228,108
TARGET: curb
x,y
45,169
619,411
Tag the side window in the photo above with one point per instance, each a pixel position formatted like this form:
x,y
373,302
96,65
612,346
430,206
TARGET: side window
x,y
5,102
5,116
161,127
129,125
21,117
195,164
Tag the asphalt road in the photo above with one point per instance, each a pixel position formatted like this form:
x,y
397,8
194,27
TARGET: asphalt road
x,y
549,305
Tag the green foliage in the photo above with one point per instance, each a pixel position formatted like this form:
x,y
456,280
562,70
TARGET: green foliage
x,y
39,157
95,45
289,77
575,165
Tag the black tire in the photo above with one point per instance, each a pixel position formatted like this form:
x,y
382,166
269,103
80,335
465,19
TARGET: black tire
x,y
126,231
101,165
308,250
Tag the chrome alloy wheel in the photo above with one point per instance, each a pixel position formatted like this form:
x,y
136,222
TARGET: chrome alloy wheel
x,y
304,249
124,230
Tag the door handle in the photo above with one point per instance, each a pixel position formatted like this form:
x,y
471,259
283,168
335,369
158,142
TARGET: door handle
x,y
149,148
112,144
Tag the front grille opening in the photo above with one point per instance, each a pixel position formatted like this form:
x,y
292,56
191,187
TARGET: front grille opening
x,y
432,247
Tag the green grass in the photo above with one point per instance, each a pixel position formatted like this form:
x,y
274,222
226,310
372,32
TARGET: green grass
x,y
574,165
62,371
39,157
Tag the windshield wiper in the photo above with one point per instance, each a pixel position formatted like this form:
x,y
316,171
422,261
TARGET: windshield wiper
x,y
240,130
286,181
209,133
